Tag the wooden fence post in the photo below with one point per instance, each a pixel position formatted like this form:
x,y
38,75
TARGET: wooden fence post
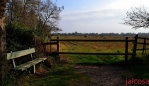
x,y
43,45
57,44
135,47
144,46
57,57
50,47
126,50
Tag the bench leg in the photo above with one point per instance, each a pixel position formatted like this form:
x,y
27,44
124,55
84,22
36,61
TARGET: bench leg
x,y
34,69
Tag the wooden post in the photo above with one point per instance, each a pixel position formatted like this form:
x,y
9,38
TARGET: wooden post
x,y
44,48
144,46
126,50
57,44
135,47
50,47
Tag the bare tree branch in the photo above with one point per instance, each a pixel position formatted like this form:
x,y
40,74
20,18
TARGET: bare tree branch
x,y
137,18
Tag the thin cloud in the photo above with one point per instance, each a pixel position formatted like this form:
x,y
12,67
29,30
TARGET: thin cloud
x,y
94,14
100,18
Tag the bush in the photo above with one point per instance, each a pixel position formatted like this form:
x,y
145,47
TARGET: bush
x,y
18,37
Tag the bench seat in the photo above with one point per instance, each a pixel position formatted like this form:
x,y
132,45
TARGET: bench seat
x,y
29,64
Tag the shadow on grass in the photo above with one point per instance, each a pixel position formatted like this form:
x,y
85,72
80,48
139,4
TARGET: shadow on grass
x,y
139,67
91,64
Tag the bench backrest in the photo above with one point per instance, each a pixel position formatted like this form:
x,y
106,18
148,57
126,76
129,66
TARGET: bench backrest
x,y
18,54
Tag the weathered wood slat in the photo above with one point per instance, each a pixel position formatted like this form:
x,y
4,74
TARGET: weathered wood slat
x,y
91,40
143,38
29,64
18,54
89,53
143,49
143,43
49,43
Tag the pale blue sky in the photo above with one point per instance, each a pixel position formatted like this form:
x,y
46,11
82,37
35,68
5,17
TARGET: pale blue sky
x,y
98,16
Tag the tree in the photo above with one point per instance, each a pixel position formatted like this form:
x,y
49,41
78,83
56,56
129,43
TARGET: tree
x,y
49,15
22,12
34,14
137,18
3,59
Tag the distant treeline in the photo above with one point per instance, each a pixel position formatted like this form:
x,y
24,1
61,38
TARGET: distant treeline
x,y
101,34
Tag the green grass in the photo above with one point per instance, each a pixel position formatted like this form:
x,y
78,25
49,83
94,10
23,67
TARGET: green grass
x,y
61,75
94,59
140,69
66,75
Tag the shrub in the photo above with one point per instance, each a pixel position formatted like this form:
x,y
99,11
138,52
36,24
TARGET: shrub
x,y
18,37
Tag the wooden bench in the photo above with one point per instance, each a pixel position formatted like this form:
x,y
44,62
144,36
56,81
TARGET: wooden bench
x,y
23,66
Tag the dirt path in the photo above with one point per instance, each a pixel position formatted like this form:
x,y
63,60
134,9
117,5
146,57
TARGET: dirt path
x,y
105,75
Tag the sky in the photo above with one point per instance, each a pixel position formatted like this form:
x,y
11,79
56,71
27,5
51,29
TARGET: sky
x,y
98,16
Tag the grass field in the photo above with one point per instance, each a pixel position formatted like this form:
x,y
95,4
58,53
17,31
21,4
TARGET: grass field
x,y
66,75
94,47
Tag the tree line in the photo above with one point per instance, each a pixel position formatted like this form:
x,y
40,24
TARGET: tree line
x,y
100,34
34,14
30,22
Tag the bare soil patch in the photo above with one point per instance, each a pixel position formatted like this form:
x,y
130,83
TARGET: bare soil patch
x,y
105,75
